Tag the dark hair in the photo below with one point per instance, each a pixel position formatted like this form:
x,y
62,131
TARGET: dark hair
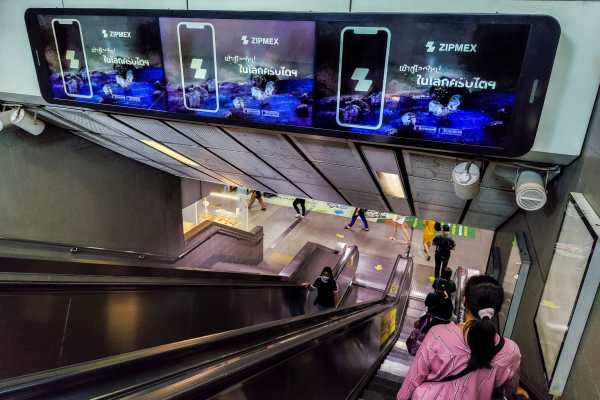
x,y
329,271
481,292
437,226
446,228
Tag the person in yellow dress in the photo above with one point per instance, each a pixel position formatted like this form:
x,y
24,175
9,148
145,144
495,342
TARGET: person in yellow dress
x,y
428,235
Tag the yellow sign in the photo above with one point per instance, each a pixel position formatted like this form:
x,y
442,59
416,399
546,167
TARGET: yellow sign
x,y
378,267
388,326
339,235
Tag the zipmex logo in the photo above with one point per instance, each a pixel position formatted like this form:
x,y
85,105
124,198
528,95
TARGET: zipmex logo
x,y
196,65
430,46
73,62
245,40
360,75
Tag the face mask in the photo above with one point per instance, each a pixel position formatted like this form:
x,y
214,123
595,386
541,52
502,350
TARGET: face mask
x,y
324,278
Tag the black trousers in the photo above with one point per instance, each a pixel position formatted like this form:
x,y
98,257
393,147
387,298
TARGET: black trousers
x,y
440,263
302,204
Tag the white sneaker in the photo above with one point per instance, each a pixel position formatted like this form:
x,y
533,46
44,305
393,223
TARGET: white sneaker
x,y
298,216
301,216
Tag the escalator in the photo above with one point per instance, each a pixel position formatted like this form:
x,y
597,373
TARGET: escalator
x,y
191,334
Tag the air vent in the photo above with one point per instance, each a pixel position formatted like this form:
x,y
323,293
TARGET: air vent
x,y
530,191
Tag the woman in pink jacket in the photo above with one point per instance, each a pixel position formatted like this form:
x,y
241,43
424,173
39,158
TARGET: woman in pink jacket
x,y
469,361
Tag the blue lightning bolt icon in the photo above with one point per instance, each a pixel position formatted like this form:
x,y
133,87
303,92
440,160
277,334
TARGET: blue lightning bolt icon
x,y
363,84
197,66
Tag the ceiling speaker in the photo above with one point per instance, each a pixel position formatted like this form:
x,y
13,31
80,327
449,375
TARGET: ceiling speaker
x,y
530,191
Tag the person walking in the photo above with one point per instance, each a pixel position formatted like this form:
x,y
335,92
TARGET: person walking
x,y
471,358
326,289
256,195
428,235
444,245
358,213
400,221
300,205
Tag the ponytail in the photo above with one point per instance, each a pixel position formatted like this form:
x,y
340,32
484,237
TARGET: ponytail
x,y
483,298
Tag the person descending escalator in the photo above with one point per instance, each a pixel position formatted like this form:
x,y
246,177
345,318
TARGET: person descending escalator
x,y
300,207
326,289
471,358
439,311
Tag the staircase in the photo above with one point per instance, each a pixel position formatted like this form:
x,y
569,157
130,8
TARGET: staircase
x,y
387,380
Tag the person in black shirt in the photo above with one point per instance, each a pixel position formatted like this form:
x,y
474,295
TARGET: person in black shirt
x,y
439,304
326,289
443,248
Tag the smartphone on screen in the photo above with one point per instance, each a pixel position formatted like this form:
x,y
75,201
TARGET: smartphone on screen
x,y
71,57
198,61
362,73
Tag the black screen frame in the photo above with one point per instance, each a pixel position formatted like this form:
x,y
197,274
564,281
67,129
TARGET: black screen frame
x,y
536,69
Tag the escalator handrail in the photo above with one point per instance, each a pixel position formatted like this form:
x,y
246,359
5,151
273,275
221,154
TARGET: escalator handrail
x,y
88,368
141,255
350,254
257,359
269,355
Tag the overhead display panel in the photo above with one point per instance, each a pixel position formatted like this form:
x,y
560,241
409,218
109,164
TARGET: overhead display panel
x,y
249,70
95,59
466,83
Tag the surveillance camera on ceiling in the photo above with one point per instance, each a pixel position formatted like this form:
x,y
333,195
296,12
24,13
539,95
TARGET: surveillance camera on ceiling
x,y
5,119
530,191
466,180
28,122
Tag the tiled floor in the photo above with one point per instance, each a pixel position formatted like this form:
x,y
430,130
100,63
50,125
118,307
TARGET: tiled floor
x,y
284,236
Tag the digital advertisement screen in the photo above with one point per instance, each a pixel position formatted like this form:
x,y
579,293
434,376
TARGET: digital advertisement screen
x,y
443,82
251,70
95,59
461,83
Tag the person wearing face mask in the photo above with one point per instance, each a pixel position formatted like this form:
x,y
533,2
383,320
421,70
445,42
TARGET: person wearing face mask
x,y
326,289
471,358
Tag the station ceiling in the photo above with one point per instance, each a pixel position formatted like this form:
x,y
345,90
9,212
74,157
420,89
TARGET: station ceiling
x,y
382,178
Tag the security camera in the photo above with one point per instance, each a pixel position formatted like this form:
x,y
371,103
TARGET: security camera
x,y
26,121
5,119
530,191
466,180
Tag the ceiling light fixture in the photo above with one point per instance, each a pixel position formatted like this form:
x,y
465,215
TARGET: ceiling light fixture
x,y
391,184
171,153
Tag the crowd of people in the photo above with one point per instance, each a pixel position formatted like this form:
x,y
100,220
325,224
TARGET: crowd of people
x,y
469,359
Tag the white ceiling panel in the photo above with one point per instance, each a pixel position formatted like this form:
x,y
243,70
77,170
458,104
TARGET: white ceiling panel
x,y
155,129
116,126
439,213
246,181
381,159
282,161
428,166
282,187
86,120
365,200
248,163
206,135
56,120
483,221
104,142
205,158
264,143
434,192
299,176
324,193
495,202
344,177
326,151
